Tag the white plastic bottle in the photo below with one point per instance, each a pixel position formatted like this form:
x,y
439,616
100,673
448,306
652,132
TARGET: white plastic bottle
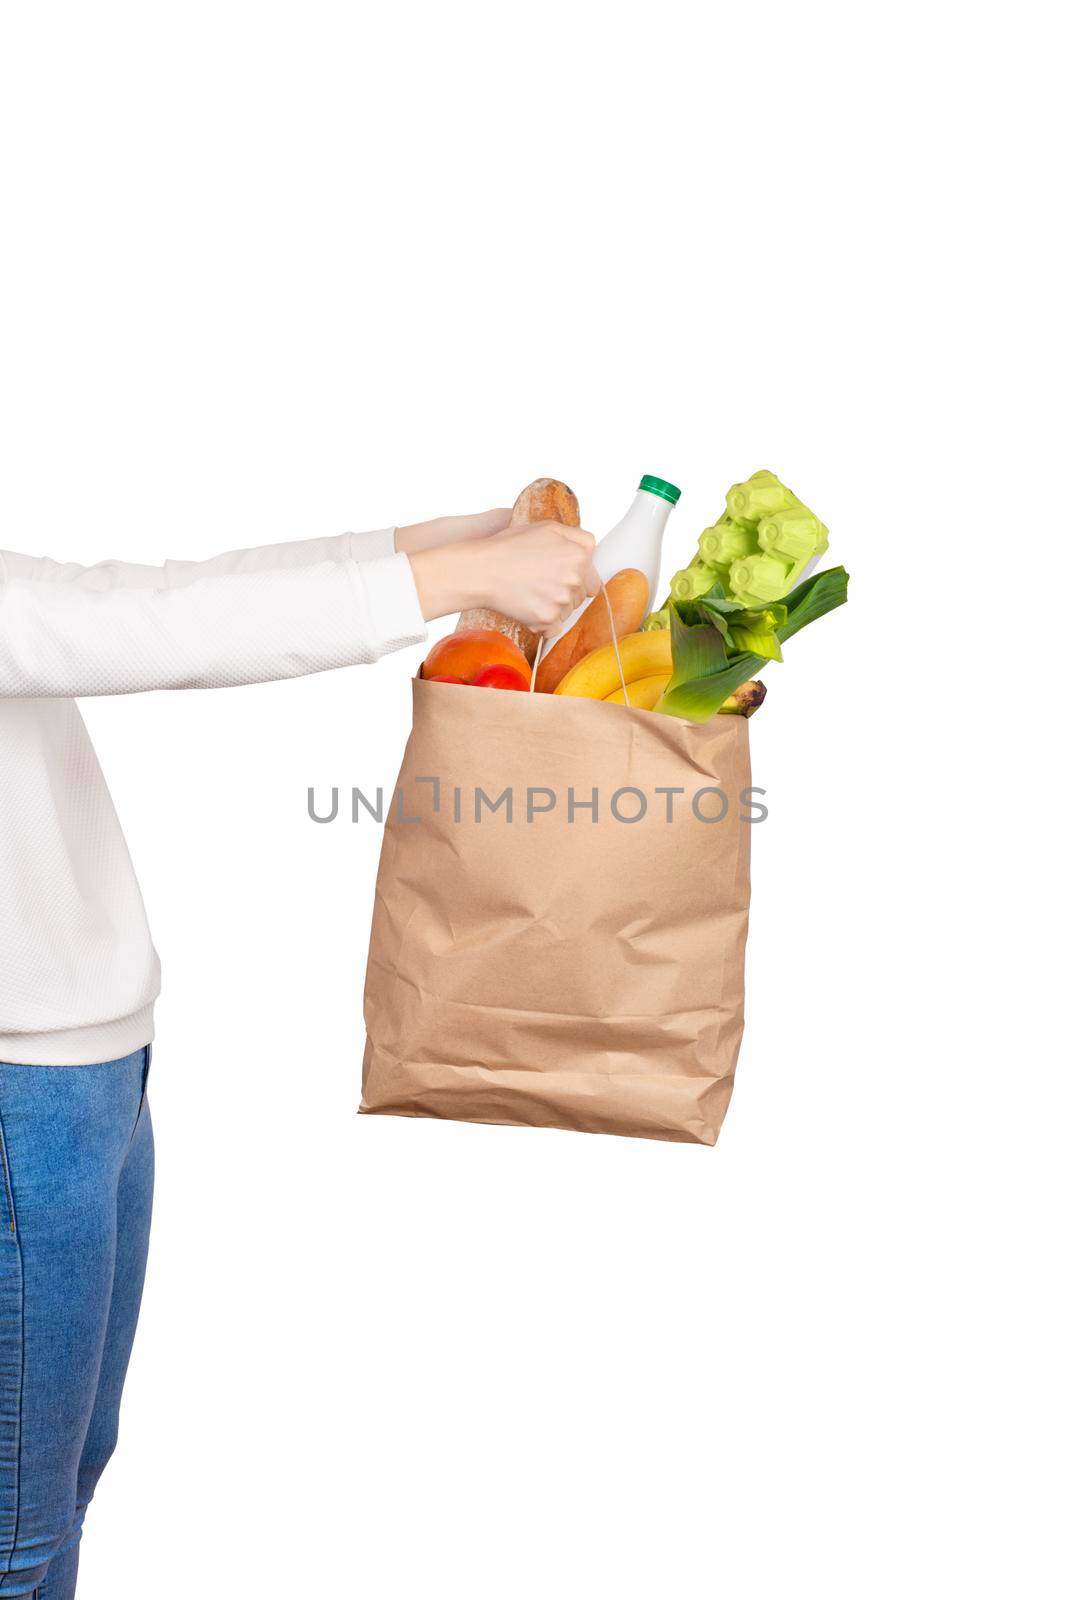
x,y
636,541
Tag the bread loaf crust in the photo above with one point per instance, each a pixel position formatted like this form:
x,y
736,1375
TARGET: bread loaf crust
x,y
627,595
544,500
547,500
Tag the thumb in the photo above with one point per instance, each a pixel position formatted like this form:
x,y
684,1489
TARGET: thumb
x,y
487,523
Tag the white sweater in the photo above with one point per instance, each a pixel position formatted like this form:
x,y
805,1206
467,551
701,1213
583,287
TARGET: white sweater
x,y
78,970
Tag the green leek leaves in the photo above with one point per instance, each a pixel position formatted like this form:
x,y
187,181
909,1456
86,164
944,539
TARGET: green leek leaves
x,y
717,643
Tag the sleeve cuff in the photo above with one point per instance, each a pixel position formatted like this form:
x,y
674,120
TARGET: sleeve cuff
x,y
390,602
368,546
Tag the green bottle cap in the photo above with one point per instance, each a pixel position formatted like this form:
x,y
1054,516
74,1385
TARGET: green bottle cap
x,y
660,486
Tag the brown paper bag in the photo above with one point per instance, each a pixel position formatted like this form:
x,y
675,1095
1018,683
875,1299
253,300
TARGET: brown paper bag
x,y
558,968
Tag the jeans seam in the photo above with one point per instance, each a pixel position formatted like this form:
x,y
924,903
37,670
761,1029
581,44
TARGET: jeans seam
x,y
17,1524
147,1051
8,1190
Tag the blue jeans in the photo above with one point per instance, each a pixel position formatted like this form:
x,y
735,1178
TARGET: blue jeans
x,y
76,1167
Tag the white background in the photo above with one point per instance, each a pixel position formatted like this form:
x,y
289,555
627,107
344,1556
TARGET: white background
x,y
274,270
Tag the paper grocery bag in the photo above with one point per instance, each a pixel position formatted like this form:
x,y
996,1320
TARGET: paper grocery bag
x,y
560,917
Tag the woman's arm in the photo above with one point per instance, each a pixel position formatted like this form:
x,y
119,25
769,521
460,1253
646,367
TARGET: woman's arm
x,y
274,611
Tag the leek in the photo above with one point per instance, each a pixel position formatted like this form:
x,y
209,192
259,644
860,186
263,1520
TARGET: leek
x,y
706,669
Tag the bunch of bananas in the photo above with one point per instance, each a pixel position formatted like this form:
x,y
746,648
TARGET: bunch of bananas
x,y
645,659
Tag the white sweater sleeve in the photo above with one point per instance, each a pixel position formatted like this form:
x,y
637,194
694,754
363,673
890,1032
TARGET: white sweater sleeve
x,y
275,611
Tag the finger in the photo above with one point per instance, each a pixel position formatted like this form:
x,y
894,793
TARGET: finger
x,y
589,578
576,535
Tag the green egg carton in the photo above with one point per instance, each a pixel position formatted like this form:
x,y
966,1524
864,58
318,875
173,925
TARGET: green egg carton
x,y
760,496
789,541
725,542
759,549
693,581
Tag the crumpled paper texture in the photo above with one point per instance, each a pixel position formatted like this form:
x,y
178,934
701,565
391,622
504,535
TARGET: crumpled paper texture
x,y
559,973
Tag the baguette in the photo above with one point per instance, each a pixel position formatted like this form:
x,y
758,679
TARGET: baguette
x,y
545,500
627,592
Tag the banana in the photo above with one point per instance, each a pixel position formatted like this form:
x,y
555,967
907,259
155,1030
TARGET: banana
x,y
642,693
746,700
596,676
